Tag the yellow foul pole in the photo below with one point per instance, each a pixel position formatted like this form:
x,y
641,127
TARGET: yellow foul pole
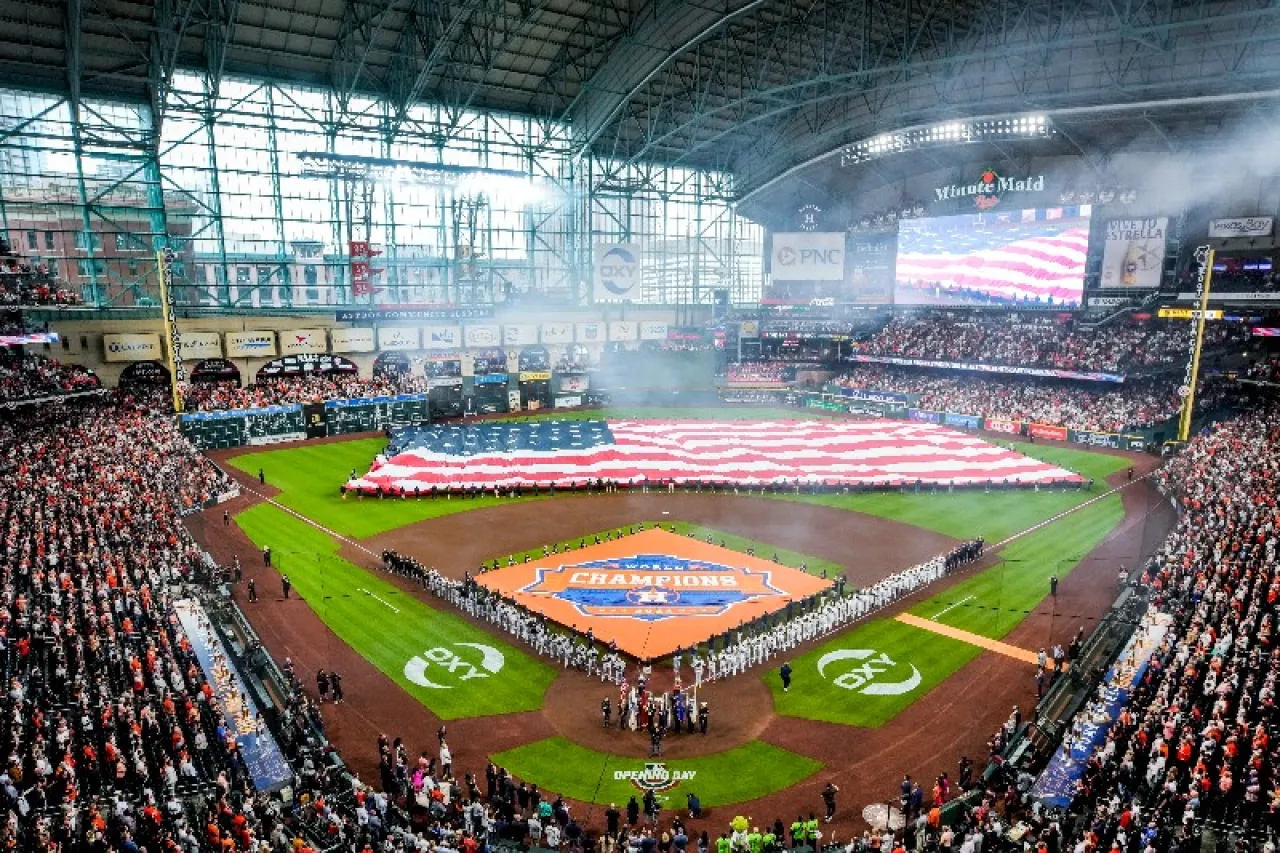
x,y
171,338
1204,285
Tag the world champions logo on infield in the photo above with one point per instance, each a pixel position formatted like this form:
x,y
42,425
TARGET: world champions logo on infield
x,y
652,587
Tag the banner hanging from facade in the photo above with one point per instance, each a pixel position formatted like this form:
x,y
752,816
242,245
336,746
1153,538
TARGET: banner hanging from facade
x,y
617,272
132,347
1133,255
258,344
1241,226
351,340
807,256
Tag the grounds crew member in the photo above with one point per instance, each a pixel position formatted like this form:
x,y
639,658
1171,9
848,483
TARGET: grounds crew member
x,y
755,841
811,831
768,841
797,832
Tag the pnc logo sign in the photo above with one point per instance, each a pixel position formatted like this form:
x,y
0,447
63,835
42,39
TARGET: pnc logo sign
x,y
868,672
619,271
444,669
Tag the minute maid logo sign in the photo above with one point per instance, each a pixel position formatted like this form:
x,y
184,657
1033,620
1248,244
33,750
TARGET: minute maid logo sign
x,y
989,189
652,587
654,777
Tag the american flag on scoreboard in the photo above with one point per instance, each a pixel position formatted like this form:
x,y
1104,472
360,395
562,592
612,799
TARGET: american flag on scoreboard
x,y
1041,261
737,452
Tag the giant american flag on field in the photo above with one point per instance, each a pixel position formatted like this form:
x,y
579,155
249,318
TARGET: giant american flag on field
x,y
740,452
1035,255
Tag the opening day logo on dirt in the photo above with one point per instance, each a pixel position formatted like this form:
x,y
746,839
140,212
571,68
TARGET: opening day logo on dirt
x,y
867,677
450,667
655,777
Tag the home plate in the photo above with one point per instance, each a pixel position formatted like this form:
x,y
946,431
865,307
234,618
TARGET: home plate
x,y
878,814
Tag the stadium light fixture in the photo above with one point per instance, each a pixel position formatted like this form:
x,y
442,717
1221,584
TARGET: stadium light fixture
x,y
946,133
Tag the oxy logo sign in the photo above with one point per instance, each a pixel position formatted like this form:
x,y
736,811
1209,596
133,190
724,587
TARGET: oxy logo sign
x,y
655,776
652,587
444,669
876,675
618,269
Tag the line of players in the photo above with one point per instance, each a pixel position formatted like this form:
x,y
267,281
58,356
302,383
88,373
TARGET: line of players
x,y
730,654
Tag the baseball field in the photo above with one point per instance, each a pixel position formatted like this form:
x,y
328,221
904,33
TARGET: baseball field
x,y
864,700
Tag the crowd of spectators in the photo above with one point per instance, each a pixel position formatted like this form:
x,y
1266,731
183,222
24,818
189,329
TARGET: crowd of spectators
x,y
309,388
25,376
1195,745
113,740
1043,342
24,283
1098,407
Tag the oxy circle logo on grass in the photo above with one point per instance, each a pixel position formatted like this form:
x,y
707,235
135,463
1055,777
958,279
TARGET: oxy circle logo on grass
x,y
877,674
655,776
444,669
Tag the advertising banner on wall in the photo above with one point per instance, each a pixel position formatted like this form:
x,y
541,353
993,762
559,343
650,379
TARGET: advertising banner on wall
x,y
535,376
198,345
574,384
132,347
298,341
259,344
1005,426
653,330
807,256
617,272
1047,431
1241,226
441,337
1133,255
1096,439
624,330
351,340
519,334
963,421
568,401
590,333
924,416
868,394
397,338
487,335
557,333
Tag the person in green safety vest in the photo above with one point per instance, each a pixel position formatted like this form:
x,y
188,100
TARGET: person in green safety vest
x,y
811,831
723,845
755,841
768,841
797,832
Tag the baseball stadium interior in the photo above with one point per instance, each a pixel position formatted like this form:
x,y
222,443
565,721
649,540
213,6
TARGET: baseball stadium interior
x,y
639,426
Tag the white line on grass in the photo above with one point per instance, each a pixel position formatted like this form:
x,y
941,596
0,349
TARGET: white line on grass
x,y
935,616
376,598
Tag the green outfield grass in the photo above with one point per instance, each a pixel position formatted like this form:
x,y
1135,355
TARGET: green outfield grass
x,y
738,775
308,477
991,603
388,627
764,550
